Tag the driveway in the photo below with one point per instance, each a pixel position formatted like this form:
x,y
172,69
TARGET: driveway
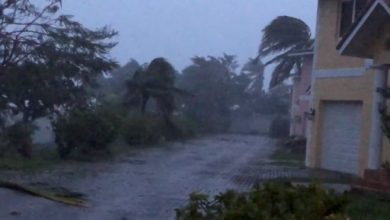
x,y
149,184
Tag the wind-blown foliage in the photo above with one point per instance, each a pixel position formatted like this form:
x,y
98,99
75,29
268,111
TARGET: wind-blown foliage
x,y
157,82
48,60
254,69
214,85
282,36
271,201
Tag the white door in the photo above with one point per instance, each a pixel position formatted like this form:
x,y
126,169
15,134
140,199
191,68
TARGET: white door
x,y
341,136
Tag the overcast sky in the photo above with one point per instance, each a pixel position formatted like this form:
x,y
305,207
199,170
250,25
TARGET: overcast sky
x,y
181,29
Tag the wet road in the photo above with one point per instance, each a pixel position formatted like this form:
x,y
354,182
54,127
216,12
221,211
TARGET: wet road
x,y
150,184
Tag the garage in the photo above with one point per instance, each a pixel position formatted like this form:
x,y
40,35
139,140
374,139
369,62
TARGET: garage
x,y
341,136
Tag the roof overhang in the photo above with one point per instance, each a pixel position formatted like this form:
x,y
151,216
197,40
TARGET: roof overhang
x,y
358,42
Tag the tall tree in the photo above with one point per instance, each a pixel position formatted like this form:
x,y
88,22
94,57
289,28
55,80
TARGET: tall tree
x,y
254,69
48,60
156,81
282,36
212,81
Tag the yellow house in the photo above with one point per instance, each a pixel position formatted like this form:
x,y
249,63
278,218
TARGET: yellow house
x,y
351,61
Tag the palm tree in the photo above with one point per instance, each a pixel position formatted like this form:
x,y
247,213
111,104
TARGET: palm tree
x,y
254,69
282,36
154,81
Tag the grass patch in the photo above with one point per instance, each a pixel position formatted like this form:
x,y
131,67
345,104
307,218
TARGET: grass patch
x,y
287,157
42,159
369,206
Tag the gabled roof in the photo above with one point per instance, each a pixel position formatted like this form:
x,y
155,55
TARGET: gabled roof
x,y
360,36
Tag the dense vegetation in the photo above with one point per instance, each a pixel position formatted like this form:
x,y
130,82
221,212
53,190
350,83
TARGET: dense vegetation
x,y
54,67
270,201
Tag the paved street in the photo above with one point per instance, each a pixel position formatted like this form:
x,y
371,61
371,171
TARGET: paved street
x,y
149,184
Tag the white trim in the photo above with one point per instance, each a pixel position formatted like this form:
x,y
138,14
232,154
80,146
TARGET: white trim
x,y
344,72
375,144
368,63
362,22
298,54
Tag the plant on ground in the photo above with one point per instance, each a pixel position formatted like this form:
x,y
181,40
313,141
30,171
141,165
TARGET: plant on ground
x,y
279,127
17,139
268,202
142,130
296,144
48,60
367,206
187,127
386,167
85,131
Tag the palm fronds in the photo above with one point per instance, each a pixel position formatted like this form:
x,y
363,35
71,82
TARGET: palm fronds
x,y
282,36
72,199
155,81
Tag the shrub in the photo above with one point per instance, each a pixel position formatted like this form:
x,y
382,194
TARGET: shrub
x,y
280,127
296,144
85,130
386,167
186,127
142,130
268,202
17,138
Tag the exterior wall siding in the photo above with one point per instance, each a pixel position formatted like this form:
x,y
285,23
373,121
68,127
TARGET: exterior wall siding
x,y
327,37
346,79
342,89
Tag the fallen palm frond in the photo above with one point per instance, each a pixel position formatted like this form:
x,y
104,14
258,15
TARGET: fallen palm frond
x,y
68,199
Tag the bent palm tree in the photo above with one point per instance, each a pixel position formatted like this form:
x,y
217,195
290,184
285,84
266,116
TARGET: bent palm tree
x,y
157,82
282,36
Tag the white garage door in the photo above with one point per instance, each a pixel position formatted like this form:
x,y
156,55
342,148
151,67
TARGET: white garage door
x,y
341,136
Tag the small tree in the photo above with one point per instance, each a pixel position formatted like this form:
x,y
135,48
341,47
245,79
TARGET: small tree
x,y
48,61
156,81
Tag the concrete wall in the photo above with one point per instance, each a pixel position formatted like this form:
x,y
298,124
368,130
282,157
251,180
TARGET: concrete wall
x,y
300,102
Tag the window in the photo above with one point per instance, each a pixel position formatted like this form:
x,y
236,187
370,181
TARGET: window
x,y
350,12
347,16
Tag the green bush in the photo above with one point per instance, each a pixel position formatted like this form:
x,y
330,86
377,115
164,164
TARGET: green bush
x,y
142,130
186,127
17,138
280,127
386,167
296,144
269,202
85,131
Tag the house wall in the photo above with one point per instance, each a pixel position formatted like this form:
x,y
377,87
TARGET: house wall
x,y
301,98
343,89
337,78
382,56
327,38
